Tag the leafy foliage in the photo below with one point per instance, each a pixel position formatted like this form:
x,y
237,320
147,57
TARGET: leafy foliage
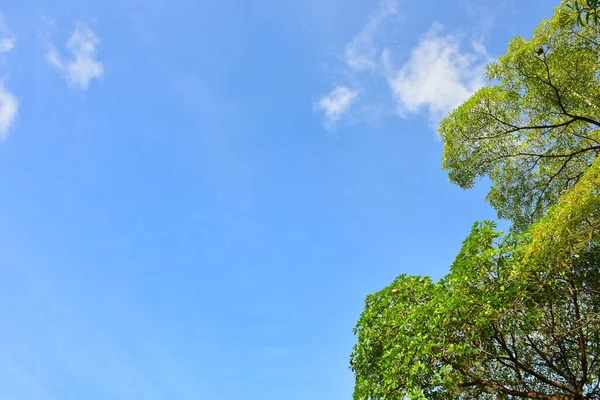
x,y
587,11
536,131
571,227
490,329
518,316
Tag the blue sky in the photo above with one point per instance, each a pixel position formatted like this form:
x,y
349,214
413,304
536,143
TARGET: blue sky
x,y
197,196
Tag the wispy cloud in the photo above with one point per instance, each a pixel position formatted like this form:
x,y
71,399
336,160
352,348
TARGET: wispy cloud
x,y
83,65
336,103
362,52
9,105
7,44
7,38
361,56
439,75
9,108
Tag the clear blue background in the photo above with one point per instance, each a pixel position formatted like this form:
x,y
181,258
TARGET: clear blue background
x,y
187,228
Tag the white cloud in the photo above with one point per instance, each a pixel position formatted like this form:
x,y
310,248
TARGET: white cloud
x,y
337,102
361,52
438,76
9,107
7,39
83,65
361,55
7,44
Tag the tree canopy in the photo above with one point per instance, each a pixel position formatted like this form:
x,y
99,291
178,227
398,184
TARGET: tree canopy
x,y
535,131
518,315
493,328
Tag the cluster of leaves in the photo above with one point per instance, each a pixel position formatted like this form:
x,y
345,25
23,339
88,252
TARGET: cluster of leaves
x,y
518,316
490,329
570,227
587,11
537,130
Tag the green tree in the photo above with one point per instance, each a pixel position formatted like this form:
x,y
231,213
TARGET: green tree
x,y
493,328
518,316
535,130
